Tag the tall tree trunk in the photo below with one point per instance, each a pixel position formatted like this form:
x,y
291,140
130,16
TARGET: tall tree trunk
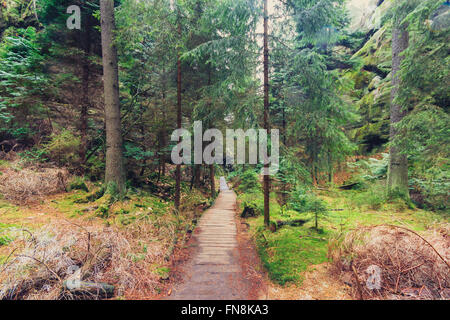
x,y
86,43
397,184
144,161
178,169
284,126
266,114
198,169
164,127
211,166
213,180
164,130
114,161
161,146
330,167
194,170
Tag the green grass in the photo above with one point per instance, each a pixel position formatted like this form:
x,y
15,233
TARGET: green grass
x,y
5,235
123,212
256,201
287,253
9,212
4,240
356,212
4,164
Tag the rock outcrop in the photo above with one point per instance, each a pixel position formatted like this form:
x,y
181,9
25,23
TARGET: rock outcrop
x,y
372,79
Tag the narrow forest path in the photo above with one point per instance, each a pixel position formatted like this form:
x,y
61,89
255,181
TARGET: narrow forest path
x,y
214,270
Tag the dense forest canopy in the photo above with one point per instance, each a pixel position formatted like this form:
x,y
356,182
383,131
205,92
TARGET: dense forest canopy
x,y
329,81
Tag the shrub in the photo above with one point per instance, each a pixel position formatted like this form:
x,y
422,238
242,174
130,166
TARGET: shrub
x,y
20,133
34,155
102,211
25,185
63,149
4,240
95,169
78,184
374,197
302,201
249,182
430,190
375,169
368,171
253,202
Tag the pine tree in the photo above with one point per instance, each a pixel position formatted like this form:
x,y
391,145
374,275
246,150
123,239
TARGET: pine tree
x,y
397,184
266,178
312,107
114,172
179,115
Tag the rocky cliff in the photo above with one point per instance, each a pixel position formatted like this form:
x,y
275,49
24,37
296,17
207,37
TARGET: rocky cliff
x,y
371,90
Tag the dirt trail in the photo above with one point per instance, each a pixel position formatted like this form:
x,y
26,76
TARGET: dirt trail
x,y
214,270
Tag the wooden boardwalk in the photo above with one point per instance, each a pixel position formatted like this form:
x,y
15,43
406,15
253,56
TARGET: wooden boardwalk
x,y
214,272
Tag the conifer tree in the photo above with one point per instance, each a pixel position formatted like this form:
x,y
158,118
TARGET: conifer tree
x,y
114,173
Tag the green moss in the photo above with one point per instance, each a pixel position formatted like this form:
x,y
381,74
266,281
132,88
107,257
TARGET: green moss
x,y
5,236
78,184
372,136
4,240
377,50
4,164
362,79
163,272
126,220
287,253
63,148
102,211
255,200
10,213
72,204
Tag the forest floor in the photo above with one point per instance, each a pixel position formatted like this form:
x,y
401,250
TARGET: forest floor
x,y
295,259
152,248
132,244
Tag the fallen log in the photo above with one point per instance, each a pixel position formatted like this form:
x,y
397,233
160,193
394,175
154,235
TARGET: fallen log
x,y
349,186
85,288
293,223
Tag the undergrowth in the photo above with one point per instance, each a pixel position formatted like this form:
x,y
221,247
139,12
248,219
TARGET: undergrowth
x,y
287,253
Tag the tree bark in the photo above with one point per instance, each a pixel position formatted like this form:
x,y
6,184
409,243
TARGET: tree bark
x,y
284,125
178,169
330,167
397,184
266,115
114,161
164,129
213,181
85,102
198,169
